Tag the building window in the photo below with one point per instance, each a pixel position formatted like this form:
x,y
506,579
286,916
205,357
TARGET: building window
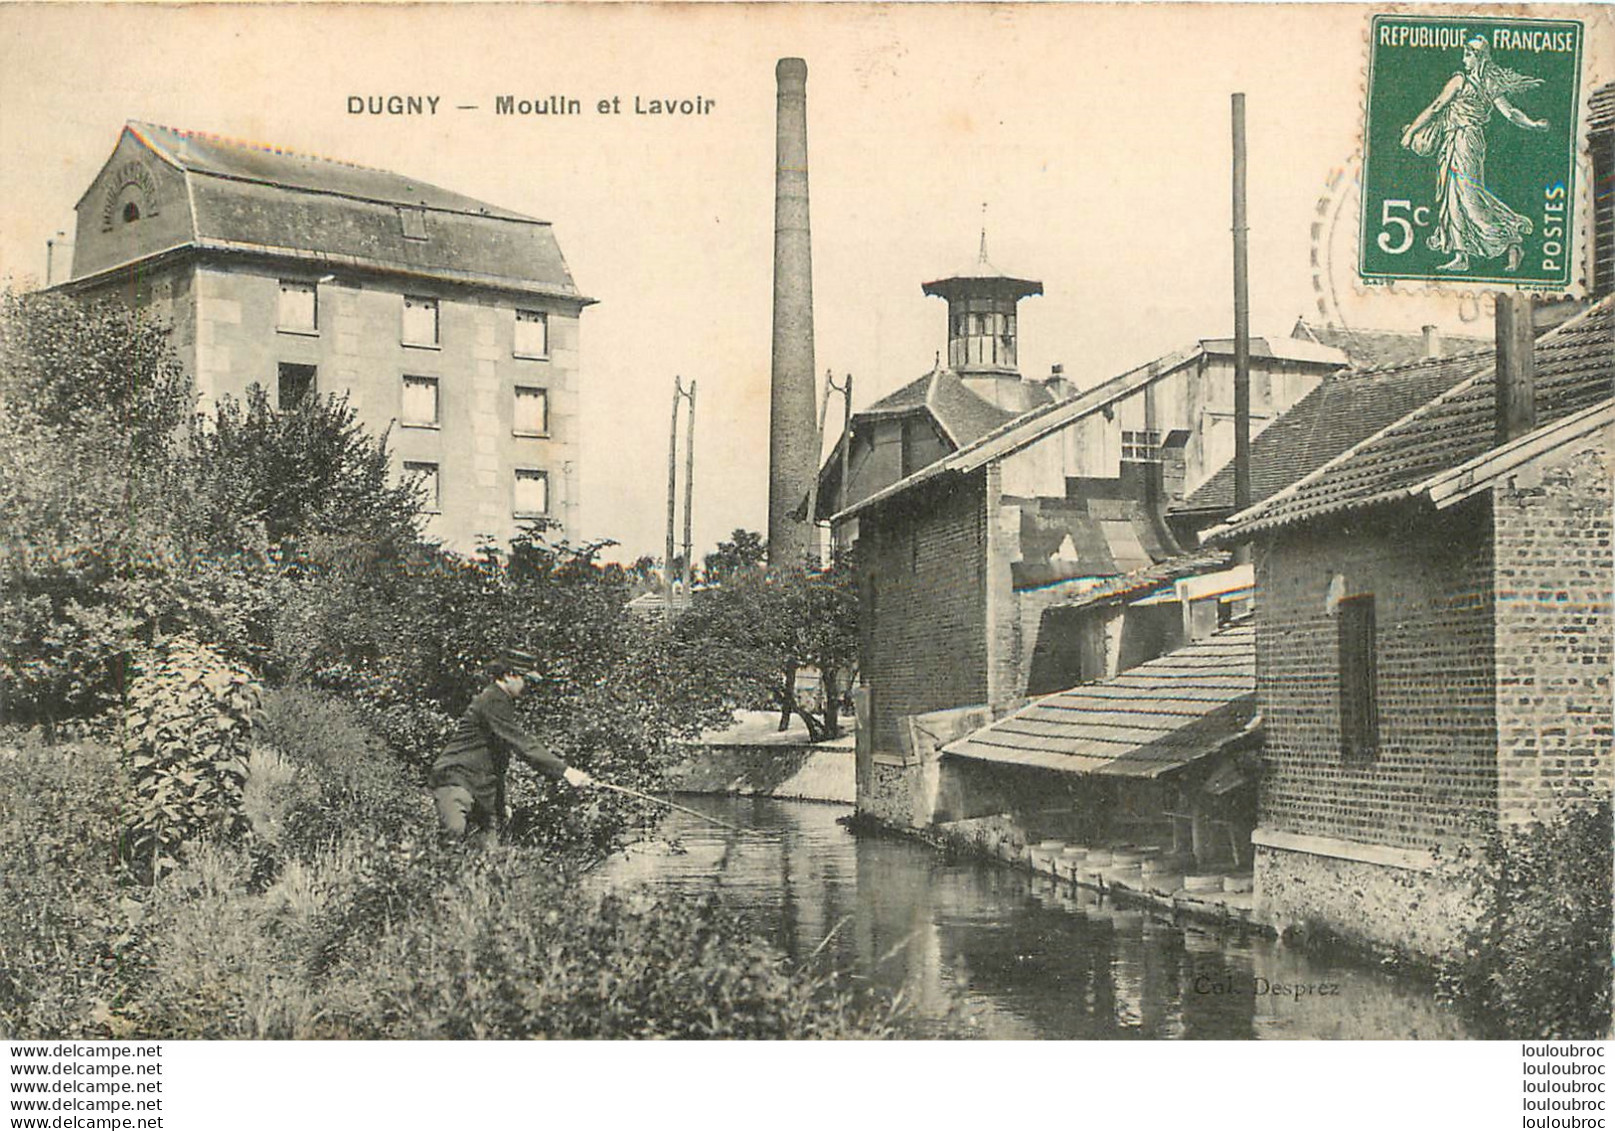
x,y
413,221
532,334
1359,679
299,308
425,478
420,321
1141,447
296,384
420,402
532,412
532,493
131,212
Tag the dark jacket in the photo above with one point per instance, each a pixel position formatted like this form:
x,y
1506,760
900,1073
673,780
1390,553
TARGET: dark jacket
x,y
479,750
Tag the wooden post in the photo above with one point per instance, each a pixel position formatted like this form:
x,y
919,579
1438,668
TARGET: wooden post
x,y
1516,368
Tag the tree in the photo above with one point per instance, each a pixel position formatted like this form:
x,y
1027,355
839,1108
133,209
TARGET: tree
x,y
745,550
759,628
92,402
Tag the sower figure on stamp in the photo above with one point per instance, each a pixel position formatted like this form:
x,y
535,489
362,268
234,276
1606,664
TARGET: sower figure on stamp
x,y
468,778
1471,221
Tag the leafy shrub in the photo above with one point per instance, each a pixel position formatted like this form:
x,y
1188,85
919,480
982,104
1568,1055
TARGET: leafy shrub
x,y
187,733
1539,964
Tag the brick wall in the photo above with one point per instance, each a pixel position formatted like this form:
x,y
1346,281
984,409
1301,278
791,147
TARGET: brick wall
x,y
1554,631
921,570
1434,776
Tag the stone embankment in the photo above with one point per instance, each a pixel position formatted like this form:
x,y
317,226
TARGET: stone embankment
x,y
754,758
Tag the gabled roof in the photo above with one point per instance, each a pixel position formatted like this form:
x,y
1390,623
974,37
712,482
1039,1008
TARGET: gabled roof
x,y
1375,349
1030,427
254,198
1575,370
1346,408
1146,722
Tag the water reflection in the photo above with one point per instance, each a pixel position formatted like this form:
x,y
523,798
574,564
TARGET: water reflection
x,y
1008,954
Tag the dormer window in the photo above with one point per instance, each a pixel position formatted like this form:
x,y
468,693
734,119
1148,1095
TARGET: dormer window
x,y
131,212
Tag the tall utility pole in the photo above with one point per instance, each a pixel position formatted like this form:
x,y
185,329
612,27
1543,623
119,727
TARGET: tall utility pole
x,y
812,548
1242,329
669,575
846,441
689,486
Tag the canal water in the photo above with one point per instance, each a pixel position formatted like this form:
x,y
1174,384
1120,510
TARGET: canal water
x,y
1003,953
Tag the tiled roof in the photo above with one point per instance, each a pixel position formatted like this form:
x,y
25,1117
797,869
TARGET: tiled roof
x,y
1378,348
1344,410
1575,369
1148,721
254,198
961,414
1601,108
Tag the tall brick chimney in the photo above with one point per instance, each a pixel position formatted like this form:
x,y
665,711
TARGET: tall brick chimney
x,y
793,439
1516,367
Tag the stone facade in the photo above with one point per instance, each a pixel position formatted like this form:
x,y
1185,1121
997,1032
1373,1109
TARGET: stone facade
x,y
146,235
1374,906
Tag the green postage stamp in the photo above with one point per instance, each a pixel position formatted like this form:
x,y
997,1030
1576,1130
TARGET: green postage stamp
x,y
1469,151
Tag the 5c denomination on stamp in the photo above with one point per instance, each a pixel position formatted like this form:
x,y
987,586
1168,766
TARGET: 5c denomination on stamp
x,y
1469,150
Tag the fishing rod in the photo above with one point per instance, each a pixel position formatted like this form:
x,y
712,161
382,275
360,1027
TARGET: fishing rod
x,y
670,804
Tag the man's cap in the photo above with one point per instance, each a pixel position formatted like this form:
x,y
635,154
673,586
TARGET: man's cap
x,y
522,663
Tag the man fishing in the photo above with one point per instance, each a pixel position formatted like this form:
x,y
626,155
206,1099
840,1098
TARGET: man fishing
x,y
468,778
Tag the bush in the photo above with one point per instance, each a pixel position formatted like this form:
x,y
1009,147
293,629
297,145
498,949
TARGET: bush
x,y
1539,964
187,733
442,944
65,923
328,775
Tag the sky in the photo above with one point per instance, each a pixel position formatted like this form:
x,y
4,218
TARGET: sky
x,y
1092,140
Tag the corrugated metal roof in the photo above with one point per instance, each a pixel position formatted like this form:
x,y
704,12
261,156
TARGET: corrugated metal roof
x,y
1030,427
248,197
1148,721
1151,577
1575,369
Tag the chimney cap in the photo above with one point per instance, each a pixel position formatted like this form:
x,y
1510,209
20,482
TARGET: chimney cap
x,y
791,70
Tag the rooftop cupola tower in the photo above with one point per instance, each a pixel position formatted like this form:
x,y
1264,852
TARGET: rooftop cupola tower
x,y
982,303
